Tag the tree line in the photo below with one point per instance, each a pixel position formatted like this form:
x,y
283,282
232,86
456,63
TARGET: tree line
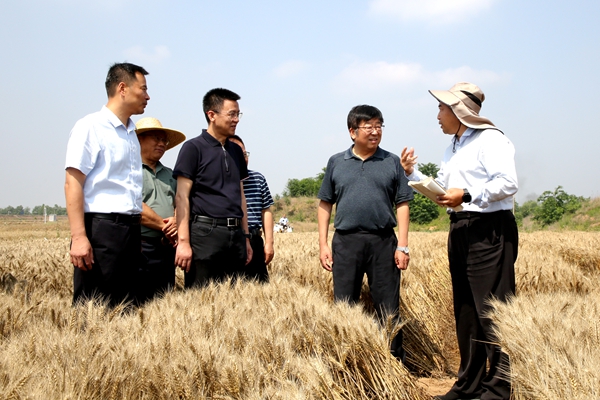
x,y
548,208
37,210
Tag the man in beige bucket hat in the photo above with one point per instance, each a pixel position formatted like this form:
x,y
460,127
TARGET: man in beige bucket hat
x,y
479,173
156,274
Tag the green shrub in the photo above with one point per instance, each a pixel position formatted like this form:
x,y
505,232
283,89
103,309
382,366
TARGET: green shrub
x,y
553,205
423,210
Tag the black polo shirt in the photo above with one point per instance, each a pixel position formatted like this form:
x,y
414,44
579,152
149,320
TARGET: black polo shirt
x,y
365,192
216,172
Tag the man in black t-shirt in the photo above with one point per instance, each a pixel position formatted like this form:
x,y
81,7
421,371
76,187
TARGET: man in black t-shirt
x,y
212,222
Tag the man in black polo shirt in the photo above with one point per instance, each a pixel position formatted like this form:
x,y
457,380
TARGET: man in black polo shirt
x,y
211,208
368,186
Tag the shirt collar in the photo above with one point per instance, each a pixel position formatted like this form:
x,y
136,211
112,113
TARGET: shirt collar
x,y
159,166
349,154
468,132
115,121
210,139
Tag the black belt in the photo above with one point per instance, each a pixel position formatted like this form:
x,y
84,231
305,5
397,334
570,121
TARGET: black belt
x,y
132,219
457,216
378,232
228,222
460,215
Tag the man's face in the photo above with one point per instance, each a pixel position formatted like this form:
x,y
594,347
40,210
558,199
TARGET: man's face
x,y
136,94
447,120
243,148
225,121
153,144
368,135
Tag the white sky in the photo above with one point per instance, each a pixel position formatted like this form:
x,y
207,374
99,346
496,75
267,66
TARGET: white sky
x,y
300,67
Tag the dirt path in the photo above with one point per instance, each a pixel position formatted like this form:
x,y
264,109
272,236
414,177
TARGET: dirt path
x,y
436,387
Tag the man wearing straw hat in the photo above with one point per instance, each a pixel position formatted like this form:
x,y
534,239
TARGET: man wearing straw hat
x,y
103,190
212,223
479,173
159,230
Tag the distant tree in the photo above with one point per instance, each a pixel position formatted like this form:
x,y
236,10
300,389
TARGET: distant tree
x,y
528,208
308,187
56,209
553,205
522,211
429,169
18,210
38,210
321,175
423,210
9,210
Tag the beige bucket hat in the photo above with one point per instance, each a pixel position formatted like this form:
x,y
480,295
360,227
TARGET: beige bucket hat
x,y
465,100
152,124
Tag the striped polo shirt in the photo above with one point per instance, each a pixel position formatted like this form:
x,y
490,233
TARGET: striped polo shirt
x,y
258,197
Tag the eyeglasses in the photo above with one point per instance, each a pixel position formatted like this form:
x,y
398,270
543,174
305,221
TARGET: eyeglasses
x,y
370,129
159,138
233,115
246,154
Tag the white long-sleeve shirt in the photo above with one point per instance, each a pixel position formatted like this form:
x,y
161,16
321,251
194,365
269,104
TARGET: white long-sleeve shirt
x,y
483,162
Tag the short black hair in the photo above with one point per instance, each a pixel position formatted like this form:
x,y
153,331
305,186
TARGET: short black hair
x,y
361,113
213,100
121,72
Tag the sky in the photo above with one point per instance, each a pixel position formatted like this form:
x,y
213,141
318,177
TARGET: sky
x,y
299,67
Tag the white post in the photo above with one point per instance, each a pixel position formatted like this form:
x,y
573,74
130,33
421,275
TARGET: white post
x,y
44,213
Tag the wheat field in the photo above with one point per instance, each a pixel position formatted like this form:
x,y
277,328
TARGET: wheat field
x,y
287,339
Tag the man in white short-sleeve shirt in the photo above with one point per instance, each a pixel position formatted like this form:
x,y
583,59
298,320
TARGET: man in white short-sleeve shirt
x,y
103,190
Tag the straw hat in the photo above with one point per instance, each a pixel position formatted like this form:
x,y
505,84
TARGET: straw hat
x,y
152,124
465,100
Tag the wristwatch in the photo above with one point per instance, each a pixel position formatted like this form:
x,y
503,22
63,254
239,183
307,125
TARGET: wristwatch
x,y
248,235
402,249
466,197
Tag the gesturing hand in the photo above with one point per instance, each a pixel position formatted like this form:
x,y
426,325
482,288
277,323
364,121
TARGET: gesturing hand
x,y
408,160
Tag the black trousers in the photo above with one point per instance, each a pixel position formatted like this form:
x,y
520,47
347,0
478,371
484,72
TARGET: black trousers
x,y
257,268
482,250
156,274
219,252
117,254
358,253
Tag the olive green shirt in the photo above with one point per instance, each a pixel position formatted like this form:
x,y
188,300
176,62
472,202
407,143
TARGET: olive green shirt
x,y
158,193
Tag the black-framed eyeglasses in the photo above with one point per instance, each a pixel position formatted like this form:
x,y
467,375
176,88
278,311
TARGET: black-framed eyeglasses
x,y
158,138
370,129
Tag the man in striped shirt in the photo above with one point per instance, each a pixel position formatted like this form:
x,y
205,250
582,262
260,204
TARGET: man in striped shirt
x,y
258,203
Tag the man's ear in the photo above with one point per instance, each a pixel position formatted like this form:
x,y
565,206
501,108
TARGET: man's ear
x,y
352,133
211,115
121,87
